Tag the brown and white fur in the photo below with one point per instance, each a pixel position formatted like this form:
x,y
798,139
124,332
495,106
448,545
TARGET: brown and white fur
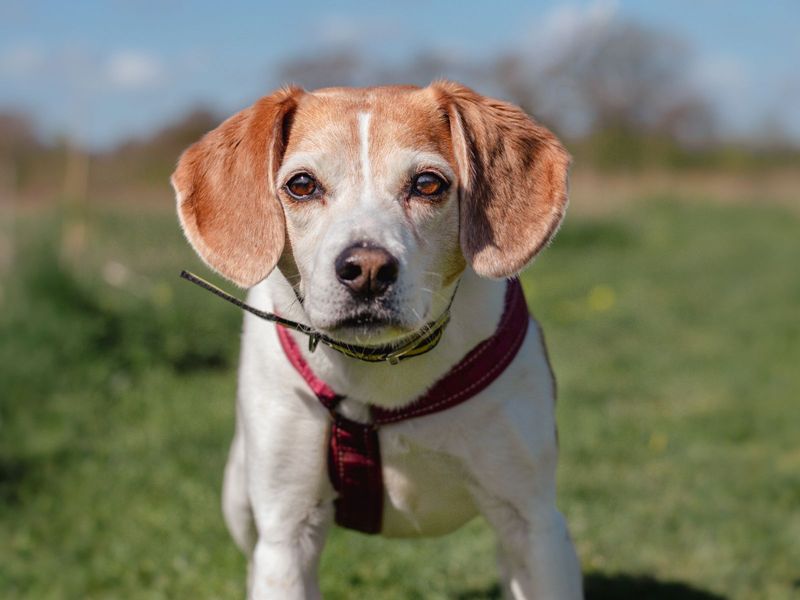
x,y
493,455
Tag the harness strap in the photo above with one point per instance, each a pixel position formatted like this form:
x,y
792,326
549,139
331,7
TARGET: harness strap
x,y
354,468
354,458
473,373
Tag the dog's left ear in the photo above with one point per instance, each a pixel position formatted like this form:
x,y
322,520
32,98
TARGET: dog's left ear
x,y
513,180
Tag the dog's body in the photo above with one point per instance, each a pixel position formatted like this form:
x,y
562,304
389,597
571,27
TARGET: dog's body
x,y
363,150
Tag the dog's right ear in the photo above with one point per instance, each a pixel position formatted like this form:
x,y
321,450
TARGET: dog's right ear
x,y
225,188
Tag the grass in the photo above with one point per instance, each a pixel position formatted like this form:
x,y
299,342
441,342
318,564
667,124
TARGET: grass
x,y
674,330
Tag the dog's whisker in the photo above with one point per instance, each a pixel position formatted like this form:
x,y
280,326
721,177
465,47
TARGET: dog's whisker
x,y
434,273
435,293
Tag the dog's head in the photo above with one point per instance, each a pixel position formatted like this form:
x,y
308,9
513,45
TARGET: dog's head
x,y
372,201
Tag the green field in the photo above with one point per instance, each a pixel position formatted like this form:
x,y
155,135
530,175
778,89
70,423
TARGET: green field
x,y
674,330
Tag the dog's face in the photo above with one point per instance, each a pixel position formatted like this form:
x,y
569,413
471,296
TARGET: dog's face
x,y
369,192
372,201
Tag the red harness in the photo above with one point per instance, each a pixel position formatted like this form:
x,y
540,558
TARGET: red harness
x,y
354,456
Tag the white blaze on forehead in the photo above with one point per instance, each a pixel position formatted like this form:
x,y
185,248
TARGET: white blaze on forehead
x,y
363,139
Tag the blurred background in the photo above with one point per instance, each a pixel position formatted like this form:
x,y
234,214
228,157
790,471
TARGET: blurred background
x,y
670,297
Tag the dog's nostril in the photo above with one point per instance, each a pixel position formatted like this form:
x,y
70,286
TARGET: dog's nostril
x,y
348,271
387,273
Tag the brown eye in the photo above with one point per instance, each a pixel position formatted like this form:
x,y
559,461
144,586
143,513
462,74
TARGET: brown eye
x,y
428,184
302,186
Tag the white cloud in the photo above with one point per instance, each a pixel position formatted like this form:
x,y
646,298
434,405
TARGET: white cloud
x,y
569,20
22,60
337,30
132,70
719,75
558,30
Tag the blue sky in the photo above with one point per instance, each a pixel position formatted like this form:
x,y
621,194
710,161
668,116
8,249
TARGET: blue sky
x,y
106,70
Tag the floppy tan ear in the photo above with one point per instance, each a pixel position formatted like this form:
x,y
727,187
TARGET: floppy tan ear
x,y
513,176
227,202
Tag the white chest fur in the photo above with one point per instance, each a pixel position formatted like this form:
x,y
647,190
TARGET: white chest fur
x,y
426,490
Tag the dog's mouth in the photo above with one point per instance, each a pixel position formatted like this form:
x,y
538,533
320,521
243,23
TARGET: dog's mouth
x,y
366,321
370,328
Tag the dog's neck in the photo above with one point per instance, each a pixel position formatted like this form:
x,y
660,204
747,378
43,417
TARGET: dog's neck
x,y
475,313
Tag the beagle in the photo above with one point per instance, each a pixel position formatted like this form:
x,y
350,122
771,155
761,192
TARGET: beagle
x,y
384,223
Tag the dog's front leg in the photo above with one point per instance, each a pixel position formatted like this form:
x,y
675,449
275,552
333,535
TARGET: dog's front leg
x,y
537,560
290,497
516,492
286,569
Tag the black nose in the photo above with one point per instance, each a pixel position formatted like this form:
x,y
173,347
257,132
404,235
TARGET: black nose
x,y
366,270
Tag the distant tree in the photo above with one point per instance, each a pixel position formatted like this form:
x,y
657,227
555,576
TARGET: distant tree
x,y
151,159
25,161
628,78
339,67
17,133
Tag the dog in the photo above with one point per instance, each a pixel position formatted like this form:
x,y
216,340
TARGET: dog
x,y
375,219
